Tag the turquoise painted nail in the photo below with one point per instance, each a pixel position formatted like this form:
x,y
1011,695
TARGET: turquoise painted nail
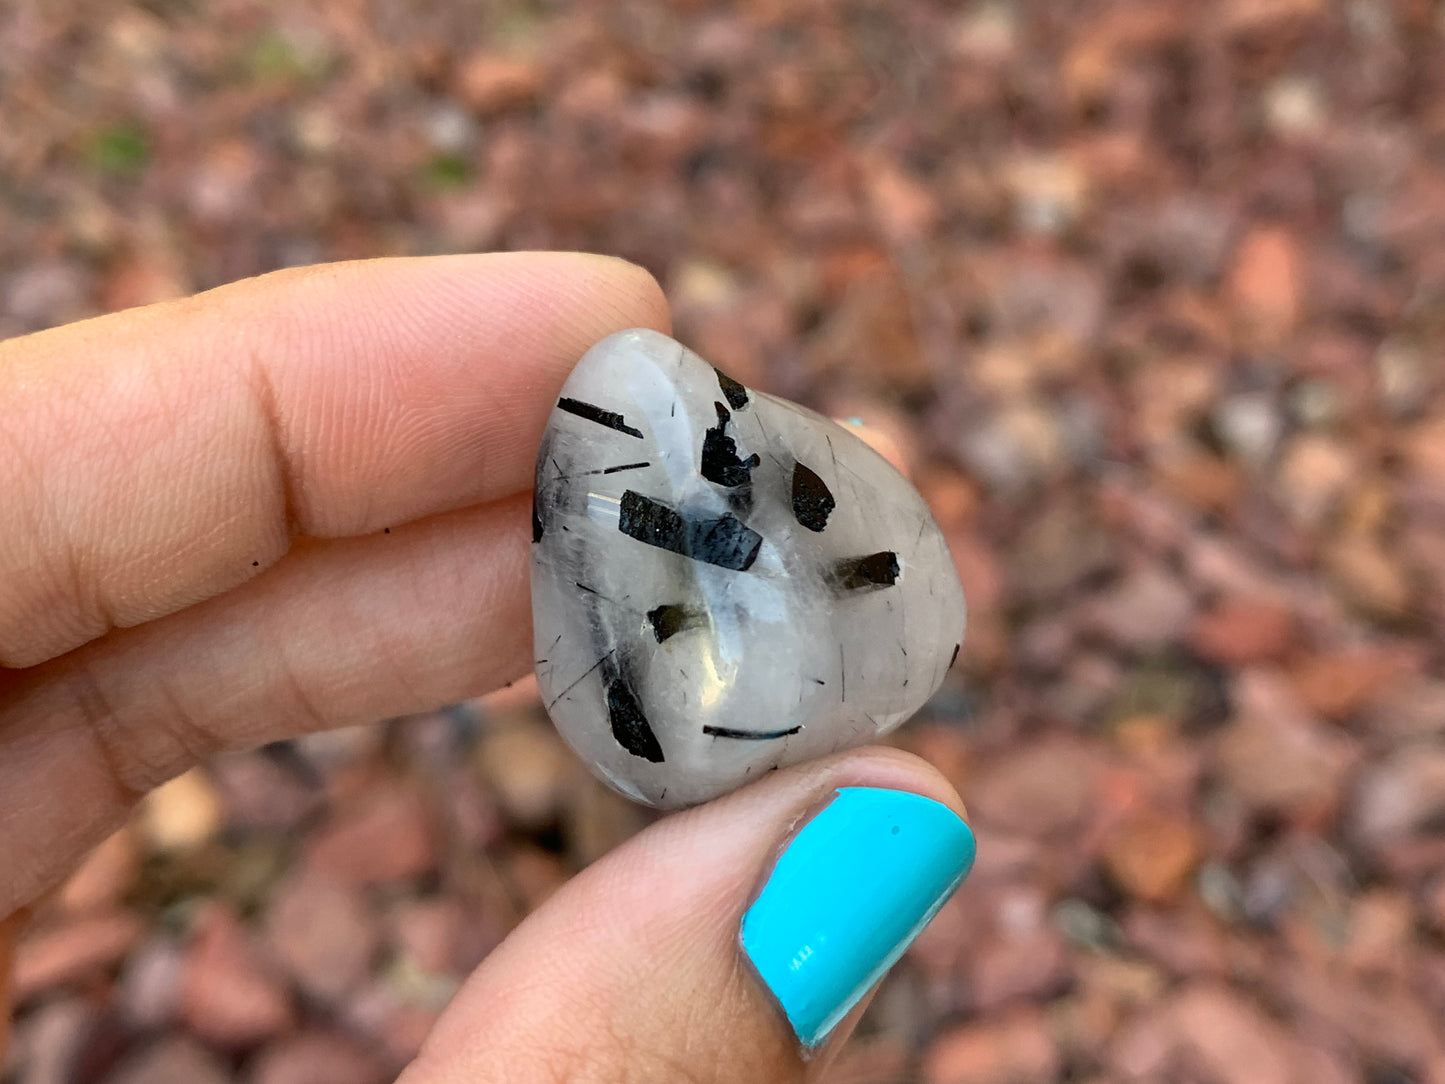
x,y
854,888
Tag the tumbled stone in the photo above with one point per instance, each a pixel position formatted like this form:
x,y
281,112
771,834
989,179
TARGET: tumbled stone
x,y
723,582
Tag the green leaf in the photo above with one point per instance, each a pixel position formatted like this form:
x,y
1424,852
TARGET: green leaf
x,y
122,150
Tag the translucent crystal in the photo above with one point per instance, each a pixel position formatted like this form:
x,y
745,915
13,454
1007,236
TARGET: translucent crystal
x,y
724,582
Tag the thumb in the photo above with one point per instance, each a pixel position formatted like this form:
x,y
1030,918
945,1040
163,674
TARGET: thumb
x,y
734,942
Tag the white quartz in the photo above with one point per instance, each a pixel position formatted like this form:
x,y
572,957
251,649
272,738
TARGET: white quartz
x,y
724,582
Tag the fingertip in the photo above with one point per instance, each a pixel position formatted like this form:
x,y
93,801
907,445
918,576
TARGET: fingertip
x,y
638,291
878,766
593,293
857,881
740,937
569,293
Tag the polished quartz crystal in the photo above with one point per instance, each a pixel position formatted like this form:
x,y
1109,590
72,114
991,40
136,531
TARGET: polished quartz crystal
x,y
723,582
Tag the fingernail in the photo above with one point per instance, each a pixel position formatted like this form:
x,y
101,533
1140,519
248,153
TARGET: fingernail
x,y
854,888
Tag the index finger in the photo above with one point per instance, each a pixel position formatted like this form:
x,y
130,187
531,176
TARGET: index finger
x,y
158,457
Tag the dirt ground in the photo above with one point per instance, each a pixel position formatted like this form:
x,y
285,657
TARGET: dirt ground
x,y
1152,296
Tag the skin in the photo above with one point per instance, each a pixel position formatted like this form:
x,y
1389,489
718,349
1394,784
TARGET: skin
x,y
301,502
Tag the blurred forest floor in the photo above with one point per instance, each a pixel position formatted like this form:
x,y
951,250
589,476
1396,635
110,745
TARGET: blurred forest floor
x,y
1152,295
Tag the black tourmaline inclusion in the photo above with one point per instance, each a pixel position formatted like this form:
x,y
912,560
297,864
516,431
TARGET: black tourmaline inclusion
x,y
668,620
735,393
724,541
629,726
813,502
593,413
874,570
720,461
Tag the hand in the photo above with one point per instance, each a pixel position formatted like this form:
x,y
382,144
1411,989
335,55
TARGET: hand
x,y
301,502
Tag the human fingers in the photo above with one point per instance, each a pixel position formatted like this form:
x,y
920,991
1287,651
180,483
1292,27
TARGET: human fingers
x,y
341,632
158,457
730,944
